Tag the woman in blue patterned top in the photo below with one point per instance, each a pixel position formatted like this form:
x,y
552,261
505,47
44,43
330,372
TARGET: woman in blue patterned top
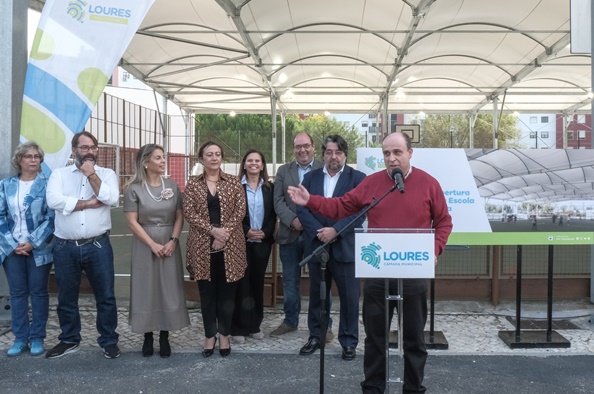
x,y
26,232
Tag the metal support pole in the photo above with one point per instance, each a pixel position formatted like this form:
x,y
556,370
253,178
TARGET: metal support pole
x,y
591,70
386,122
284,136
472,122
432,308
533,339
592,270
550,295
518,291
324,313
273,115
565,123
387,331
165,123
399,299
495,122
13,66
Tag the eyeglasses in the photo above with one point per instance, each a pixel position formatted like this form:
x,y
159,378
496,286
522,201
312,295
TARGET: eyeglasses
x,y
29,156
85,148
304,146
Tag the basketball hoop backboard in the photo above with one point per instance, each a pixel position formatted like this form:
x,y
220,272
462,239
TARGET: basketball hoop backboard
x,y
413,131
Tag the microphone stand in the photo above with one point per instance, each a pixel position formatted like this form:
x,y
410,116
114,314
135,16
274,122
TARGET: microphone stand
x,y
322,254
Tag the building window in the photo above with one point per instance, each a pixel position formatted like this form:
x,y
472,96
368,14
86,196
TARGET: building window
x,y
371,116
570,135
544,134
373,125
581,119
533,134
544,119
581,134
364,124
533,119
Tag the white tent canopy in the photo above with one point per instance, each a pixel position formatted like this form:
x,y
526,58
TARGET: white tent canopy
x,y
533,175
354,56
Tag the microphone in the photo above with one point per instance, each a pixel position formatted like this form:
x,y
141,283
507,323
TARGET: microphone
x,y
398,177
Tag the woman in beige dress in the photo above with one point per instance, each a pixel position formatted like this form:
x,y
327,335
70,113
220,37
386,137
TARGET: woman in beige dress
x,y
153,208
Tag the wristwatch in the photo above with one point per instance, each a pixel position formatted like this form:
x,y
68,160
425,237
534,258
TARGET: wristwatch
x,y
174,239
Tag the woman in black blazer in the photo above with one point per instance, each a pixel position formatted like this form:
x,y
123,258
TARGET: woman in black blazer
x,y
258,227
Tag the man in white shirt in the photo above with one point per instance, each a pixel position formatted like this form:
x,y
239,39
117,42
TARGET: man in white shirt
x,y
335,179
82,196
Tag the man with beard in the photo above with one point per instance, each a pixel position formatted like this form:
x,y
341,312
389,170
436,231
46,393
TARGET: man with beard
x,y
82,195
335,179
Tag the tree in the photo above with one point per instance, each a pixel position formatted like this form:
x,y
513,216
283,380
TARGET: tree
x,y
237,134
320,126
242,132
453,131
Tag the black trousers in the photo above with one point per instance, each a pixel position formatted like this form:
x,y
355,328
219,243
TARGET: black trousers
x,y
249,296
415,317
217,298
348,292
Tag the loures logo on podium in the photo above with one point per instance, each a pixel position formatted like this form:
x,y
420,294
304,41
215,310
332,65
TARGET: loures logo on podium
x,y
370,255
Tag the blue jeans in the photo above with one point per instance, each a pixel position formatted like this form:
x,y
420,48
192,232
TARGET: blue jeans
x,y
96,259
26,280
291,255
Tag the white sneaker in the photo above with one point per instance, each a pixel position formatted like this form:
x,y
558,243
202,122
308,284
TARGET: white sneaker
x,y
257,335
239,339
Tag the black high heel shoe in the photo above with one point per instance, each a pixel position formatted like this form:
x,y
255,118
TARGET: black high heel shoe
x,y
147,346
209,352
225,352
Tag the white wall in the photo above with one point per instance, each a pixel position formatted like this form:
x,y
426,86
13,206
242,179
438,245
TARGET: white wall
x,y
538,130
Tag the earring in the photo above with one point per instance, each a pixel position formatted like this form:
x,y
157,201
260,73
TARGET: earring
x,y
145,167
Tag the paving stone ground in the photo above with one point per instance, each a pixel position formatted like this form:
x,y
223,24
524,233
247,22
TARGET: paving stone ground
x,y
469,328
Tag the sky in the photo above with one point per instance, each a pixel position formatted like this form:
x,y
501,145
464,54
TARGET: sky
x,y
32,22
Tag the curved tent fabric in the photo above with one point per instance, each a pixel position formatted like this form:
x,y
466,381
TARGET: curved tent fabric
x,y
351,56
532,175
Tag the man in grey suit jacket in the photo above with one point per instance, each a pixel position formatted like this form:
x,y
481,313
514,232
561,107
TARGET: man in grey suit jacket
x,y
289,230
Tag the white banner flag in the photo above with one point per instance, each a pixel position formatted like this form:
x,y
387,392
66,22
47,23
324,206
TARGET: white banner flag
x,y
77,46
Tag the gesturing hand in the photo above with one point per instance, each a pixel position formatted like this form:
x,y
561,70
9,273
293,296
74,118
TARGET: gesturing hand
x,y
299,195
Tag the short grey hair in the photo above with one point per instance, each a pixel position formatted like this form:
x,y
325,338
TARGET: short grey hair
x,y
22,150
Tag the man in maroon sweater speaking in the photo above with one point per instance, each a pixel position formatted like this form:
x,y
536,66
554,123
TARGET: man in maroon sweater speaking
x,y
423,205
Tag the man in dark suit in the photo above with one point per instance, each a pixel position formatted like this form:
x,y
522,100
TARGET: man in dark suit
x,y
333,180
288,235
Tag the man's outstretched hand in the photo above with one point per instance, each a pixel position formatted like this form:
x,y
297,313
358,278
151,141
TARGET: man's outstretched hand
x,y
299,195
